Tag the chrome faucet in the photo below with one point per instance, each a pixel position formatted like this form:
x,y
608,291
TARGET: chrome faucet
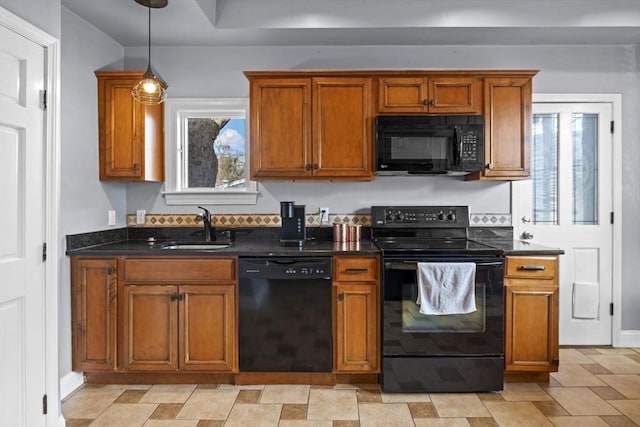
x,y
209,230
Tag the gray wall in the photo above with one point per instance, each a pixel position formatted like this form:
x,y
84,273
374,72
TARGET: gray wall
x,y
84,200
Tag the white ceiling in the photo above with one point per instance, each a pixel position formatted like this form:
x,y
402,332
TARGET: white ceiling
x,y
365,22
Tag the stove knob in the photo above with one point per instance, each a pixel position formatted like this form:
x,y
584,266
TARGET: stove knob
x,y
400,216
441,216
390,216
451,216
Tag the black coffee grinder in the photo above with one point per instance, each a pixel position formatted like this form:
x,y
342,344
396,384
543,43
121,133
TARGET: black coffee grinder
x,y
294,231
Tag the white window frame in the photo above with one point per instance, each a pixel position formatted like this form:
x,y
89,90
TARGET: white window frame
x,y
176,191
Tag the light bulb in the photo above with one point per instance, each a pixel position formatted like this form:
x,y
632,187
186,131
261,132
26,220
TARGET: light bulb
x,y
149,87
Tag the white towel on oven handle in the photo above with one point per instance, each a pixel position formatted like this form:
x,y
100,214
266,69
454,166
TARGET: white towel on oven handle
x,y
446,287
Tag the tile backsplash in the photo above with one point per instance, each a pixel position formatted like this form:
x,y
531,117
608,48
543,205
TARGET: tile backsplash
x,y
241,220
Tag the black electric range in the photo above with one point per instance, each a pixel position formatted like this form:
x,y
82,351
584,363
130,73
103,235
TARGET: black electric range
x,y
451,351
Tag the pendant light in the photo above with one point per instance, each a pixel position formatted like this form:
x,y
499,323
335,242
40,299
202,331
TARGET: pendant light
x,y
150,90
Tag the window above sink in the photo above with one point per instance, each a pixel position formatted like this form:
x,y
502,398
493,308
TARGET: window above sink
x,y
207,152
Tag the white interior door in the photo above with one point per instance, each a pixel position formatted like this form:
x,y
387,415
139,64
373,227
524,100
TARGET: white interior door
x,y
22,216
568,204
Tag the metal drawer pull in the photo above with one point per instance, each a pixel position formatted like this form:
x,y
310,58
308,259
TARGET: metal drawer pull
x,y
531,267
356,270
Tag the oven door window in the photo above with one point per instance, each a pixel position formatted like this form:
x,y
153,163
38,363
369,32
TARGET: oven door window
x,y
408,332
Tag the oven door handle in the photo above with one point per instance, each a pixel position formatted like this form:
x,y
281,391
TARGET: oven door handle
x,y
413,265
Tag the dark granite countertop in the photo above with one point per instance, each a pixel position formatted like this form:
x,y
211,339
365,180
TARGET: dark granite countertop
x,y
256,241
244,242
520,247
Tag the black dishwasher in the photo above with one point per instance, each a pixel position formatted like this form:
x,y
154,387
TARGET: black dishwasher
x,y
285,314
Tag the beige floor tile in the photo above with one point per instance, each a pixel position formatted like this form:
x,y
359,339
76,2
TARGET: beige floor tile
x,y
329,404
630,408
551,408
369,396
285,394
514,392
443,422
208,405
131,396
125,415
166,411
293,411
89,403
616,350
171,423
127,386
628,385
254,415
168,393
617,364
459,405
581,401
618,421
305,423
572,356
422,410
482,422
385,414
248,396
233,387
405,397
587,421
607,393
575,376
517,414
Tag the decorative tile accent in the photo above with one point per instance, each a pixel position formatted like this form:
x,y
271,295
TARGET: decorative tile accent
x,y
489,219
241,220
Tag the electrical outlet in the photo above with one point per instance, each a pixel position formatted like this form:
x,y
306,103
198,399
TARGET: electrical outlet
x,y
140,216
112,217
324,215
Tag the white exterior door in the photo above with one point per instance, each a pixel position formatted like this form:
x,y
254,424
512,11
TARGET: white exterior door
x,y
22,216
568,204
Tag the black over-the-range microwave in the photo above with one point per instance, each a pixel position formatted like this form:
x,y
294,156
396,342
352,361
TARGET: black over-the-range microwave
x,y
429,144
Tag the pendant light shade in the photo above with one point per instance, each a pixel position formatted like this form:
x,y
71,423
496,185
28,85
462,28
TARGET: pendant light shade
x,y
150,90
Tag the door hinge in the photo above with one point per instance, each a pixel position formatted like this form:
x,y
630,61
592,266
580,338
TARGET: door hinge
x,y
612,126
610,309
44,405
611,217
44,251
43,99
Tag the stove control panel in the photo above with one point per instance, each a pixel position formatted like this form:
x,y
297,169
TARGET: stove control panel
x,y
420,216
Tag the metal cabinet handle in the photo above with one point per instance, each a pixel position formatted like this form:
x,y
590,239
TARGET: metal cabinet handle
x,y
531,268
340,297
135,167
490,166
356,270
315,166
307,167
176,297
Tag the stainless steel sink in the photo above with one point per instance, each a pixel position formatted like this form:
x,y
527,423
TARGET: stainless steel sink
x,y
192,246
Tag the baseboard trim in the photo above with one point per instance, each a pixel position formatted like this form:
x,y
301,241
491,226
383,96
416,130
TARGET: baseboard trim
x,y
69,383
628,338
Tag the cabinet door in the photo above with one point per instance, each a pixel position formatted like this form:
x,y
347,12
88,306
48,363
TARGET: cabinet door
x,y
508,127
150,327
531,327
455,95
208,328
130,133
402,95
93,302
342,128
438,95
280,139
356,327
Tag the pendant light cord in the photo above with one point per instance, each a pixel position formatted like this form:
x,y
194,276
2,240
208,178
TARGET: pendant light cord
x,y
149,65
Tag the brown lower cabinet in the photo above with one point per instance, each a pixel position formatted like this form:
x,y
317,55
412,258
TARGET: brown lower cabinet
x,y
531,317
356,314
93,313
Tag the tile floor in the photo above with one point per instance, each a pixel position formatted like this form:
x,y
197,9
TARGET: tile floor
x,y
593,387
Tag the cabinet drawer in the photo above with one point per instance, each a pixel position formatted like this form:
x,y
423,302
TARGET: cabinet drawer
x,y
531,267
355,269
179,270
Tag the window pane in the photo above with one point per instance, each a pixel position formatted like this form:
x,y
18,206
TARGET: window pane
x,y
544,165
585,168
216,153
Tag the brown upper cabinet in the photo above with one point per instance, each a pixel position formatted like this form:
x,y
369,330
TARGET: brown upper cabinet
x,y
311,127
435,95
319,124
507,128
131,134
